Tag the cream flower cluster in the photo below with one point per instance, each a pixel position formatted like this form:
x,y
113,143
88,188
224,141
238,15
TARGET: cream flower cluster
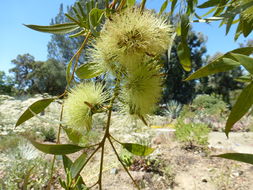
x,y
77,112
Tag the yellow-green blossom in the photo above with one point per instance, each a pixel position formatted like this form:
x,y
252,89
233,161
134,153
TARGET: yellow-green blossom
x,y
142,89
77,107
129,36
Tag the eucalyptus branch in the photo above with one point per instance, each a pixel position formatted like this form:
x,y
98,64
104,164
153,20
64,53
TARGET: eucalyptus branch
x,y
115,151
57,142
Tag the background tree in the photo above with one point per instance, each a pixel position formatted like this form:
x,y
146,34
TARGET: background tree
x,y
6,84
176,88
38,77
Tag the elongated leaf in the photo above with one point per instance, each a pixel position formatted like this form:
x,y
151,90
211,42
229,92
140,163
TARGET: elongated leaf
x,y
241,107
131,3
184,56
68,74
67,163
173,5
246,158
73,135
95,17
245,78
36,107
56,149
55,29
88,71
210,19
223,63
78,165
163,7
209,3
245,61
138,149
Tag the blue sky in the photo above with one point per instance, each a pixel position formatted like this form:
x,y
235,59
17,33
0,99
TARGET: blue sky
x,y
17,39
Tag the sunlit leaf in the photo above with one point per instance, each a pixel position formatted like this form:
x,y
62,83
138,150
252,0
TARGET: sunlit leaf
x,y
69,66
137,149
222,63
131,3
55,29
78,165
245,78
56,149
163,7
67,163
184,55
245,61
246,158
95,17
209,3
173,5
241,107
88,71
36,107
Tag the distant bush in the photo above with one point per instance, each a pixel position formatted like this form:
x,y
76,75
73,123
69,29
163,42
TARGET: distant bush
x,y
205,105
192,133
173,109
48,134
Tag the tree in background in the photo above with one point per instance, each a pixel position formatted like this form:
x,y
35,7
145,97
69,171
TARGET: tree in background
x,y
6,84
38,77
176,88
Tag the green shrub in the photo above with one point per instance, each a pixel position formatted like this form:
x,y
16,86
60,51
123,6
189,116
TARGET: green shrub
x,y
192,133
48,134
205,105
24,168
173,109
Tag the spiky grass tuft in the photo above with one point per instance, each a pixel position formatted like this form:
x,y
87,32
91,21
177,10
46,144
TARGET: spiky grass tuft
x,y
78,105
142,90
129,36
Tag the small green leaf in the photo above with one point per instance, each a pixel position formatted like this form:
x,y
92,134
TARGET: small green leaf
x,y
209,3
55,29
68,74
223,63
36,107
78,165
173,5
163,7
73,135
138,149
245,61
95,17
56,149
67,163
184,56
244,78
87,71
241,107
246,158
131,3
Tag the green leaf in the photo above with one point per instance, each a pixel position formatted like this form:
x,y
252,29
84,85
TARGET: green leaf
x,y
67,163
244,60
78,165
138,149
244,78
131,3
56,149
36,107
95,17
185,24
87,71
241,107
163,7
55,29
73,135
184,56
223,63
209,3
173,5
246,158
68,74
